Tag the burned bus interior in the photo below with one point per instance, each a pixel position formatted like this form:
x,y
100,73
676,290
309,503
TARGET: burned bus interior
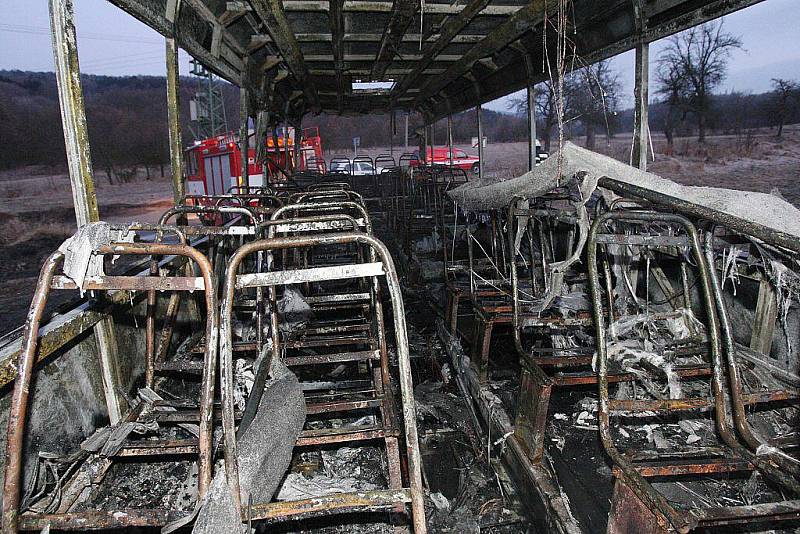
x,y
389,344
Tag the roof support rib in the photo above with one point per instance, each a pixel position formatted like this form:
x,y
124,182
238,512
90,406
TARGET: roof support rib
x,y
271,13
337,46
403,12
449,31
520,22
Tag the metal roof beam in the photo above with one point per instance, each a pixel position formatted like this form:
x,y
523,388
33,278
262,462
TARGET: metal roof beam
x,y
259,40
337,35
271,13
509,31
403,12
450,30
188,41
349,58
366,6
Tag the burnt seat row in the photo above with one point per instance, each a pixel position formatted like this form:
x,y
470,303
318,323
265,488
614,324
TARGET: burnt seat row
x,y
624,296
290,276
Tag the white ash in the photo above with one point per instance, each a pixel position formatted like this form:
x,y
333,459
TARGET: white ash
x,y
293,310
428,244
243,379
344,470
630,359
729,268
81,260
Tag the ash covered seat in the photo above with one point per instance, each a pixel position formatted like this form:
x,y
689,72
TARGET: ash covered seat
x,y
161,423
719,453
377,400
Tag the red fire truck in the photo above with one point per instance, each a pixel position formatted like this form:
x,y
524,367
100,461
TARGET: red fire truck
x,y
214,165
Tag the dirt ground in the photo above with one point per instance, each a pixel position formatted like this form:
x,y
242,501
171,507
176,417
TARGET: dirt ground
x,y
36,215
36,203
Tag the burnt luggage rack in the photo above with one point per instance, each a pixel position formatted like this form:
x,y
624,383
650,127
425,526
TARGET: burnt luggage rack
x,y
379,264
64,517
636,503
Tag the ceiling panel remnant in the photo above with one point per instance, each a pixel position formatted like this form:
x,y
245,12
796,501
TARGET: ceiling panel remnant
x,y
443,56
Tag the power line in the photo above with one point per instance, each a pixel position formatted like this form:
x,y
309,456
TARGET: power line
x,y
110,61
39,30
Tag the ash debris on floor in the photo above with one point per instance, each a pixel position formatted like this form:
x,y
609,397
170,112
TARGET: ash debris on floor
x,y
468,490
170,485
325,471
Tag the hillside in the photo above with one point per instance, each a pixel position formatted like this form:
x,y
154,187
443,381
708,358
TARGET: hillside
x,y
127,121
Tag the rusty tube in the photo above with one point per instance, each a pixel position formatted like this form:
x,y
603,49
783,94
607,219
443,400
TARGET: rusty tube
x,y
19,400
212,328
404,362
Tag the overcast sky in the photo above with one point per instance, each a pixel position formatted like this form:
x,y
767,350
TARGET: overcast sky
x,y
112,42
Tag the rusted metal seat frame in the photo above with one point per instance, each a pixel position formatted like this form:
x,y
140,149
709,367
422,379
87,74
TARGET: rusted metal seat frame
x,y
631,479
738,397
357,181
490,298
250,190
536,384
388,499
328,185
351,209
12,519
380,397
315,224
327,195
219,236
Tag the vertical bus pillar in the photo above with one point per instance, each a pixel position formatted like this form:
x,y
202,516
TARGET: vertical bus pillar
x,y
641,129
79,162
298,143
391,133
531,97
431,140
532,150
244,132
406,131
285,137
173,120
480,142
424,152
450,140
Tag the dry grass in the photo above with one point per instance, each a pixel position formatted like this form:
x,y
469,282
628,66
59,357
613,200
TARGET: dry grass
x,y
15,231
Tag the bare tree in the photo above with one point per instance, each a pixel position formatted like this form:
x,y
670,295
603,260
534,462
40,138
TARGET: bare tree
x,y
786,95
594,99
699,58
672,86
545,101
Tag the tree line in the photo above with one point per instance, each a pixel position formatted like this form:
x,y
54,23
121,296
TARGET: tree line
x,y
688,72
127,116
